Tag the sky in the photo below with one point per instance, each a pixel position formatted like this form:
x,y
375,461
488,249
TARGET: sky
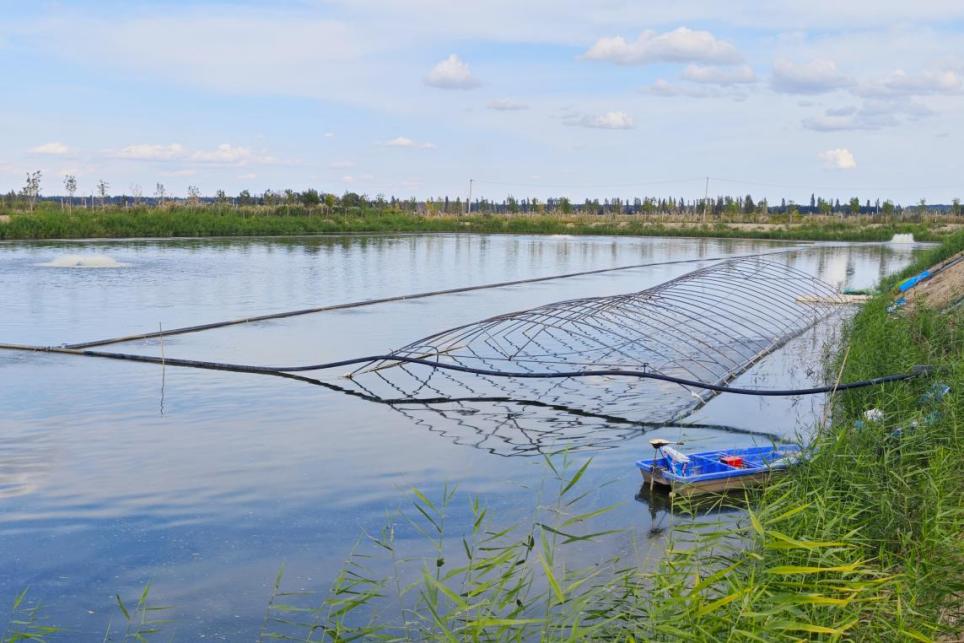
x,y
530,98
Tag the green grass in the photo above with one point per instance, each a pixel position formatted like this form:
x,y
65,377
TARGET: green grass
x,y
50,223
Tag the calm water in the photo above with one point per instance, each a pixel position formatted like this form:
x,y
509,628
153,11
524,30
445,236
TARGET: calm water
x,y
203,483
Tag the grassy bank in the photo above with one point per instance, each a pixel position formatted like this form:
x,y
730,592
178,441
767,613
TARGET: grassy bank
x,y
297,220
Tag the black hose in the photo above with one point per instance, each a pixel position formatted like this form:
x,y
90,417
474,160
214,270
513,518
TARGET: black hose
x,y
917,371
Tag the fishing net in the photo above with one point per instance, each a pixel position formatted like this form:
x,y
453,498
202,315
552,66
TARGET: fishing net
x,y
710,326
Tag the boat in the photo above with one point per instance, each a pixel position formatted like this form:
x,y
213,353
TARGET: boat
x,y
714,471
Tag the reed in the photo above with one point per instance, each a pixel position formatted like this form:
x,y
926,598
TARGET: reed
x,y
186,221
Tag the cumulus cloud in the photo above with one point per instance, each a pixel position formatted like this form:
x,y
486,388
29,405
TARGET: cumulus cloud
x,y
901,83
51,149
681,45
402,141
609,120
838,159
506,105
813,77
716,75
224,154
451,73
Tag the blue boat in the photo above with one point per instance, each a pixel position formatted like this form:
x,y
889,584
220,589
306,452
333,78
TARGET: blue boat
x,y
714,471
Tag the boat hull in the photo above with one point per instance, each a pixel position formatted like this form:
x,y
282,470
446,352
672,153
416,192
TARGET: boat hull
x,y
724,485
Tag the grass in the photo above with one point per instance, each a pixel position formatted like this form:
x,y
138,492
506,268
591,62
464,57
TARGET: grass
x,y
861,542
186,221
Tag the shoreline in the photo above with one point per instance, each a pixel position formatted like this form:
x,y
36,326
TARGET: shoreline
x,y
200,223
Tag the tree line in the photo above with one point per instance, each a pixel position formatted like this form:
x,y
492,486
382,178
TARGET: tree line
x,y
30,194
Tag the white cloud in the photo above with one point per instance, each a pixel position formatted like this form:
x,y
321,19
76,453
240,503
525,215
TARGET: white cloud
x,y
451,73
678,46
838,159
872,115
666,89
662,87
609,120
901,83
230,155
715,75
402,141
51,149
224,154
248,176
506,105
329,135
182,172
814,77
148,152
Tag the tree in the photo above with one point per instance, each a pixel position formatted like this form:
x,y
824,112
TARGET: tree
x,y
855,206
244,197
221,197
564,205
31,189
70,184
813,203
824,206
137,193
310,197
102,187
159,193
888,208
748,205
956,207
193,195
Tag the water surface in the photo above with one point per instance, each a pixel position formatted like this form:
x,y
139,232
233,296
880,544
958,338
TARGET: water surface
x,y
117,474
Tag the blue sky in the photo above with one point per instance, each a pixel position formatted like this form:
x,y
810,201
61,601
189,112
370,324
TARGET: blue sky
x,y
531,98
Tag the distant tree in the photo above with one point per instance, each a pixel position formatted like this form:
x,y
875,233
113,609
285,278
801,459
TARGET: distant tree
x,y
956,207
330,201
31,188
352,200
564,205
70,184
136,193
159,193
824,206
813,202
244,197
854,205
221,197
102,187
748,205
310,197
512,204
888,208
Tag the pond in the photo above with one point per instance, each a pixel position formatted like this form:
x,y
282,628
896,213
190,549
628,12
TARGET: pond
x,y
203,483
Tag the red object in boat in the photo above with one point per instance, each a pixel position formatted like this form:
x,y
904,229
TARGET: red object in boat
x,y
733,461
